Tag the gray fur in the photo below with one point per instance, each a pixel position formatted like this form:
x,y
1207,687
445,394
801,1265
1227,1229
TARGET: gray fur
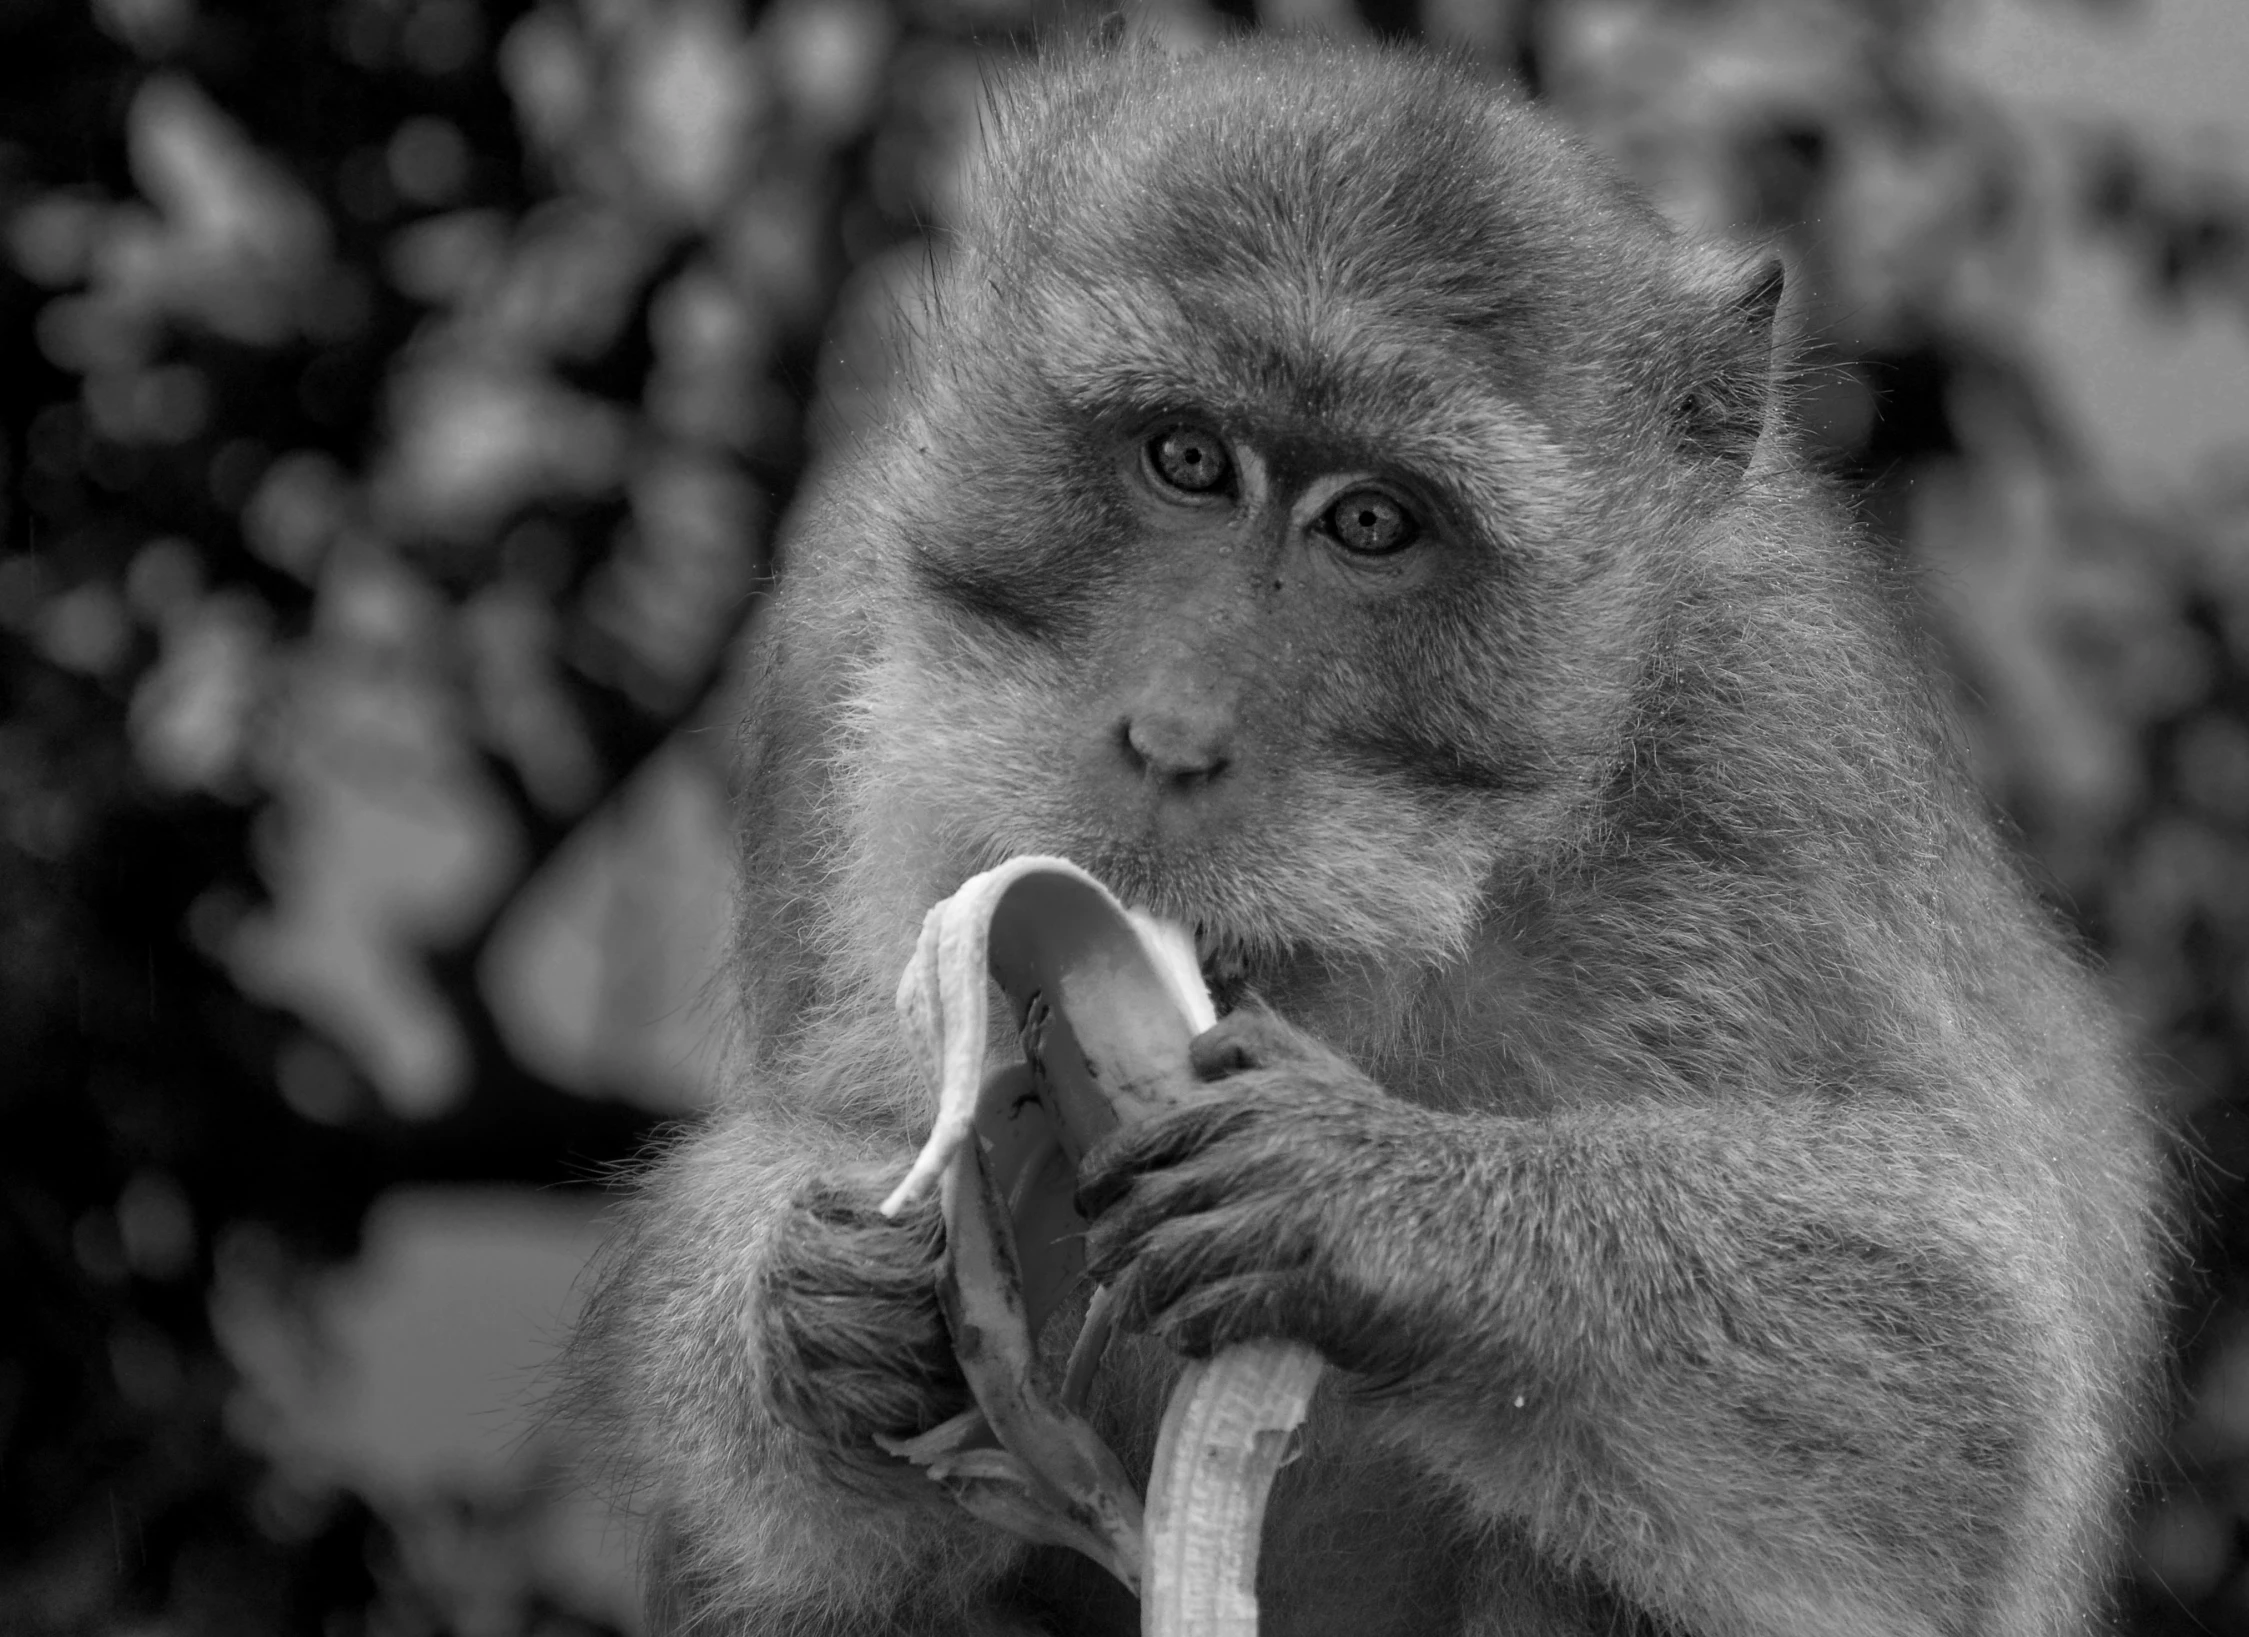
x,y
1726,1197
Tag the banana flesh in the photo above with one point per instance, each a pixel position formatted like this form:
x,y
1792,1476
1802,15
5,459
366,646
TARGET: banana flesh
x,y
1231,1425
1108,1000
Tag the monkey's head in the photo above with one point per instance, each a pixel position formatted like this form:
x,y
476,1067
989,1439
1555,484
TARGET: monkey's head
x,y
1294,453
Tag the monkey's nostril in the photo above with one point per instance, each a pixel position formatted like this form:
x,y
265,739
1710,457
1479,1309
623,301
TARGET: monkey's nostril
x,y
1177,747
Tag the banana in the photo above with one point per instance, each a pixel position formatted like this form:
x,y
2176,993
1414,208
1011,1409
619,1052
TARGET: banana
x,y
1108,1000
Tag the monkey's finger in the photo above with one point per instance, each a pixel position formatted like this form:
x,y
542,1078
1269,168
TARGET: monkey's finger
x,y
813,1257
1212,1317
1154,1266
1112,1165
842,1333
847,1379
842,1206
1200,1200
1253,1037
849,1409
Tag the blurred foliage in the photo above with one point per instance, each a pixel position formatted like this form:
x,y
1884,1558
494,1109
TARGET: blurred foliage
x,y
397,396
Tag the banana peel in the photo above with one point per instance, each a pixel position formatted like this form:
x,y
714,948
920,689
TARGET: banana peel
x,y
1107,1000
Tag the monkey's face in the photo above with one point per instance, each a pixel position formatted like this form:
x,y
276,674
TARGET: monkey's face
x,y
1272,543
1287,676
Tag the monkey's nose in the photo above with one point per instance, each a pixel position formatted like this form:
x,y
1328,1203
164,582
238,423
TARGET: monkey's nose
x,y
1179,747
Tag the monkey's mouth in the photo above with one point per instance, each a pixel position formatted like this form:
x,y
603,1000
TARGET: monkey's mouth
x,y
1227,956
1225,966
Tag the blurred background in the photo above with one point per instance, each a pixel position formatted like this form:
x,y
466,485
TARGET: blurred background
x,y
396,401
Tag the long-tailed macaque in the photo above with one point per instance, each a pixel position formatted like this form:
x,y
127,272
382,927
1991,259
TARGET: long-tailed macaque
x,y
1323,501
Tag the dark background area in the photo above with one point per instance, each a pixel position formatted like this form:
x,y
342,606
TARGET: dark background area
x,y
396,397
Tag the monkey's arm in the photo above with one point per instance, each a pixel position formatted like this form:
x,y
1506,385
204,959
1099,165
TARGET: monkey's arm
x,y
753,1323
1751,1365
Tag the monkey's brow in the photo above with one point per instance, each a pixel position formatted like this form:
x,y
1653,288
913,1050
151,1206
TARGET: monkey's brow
x,y
1385,392
1493,458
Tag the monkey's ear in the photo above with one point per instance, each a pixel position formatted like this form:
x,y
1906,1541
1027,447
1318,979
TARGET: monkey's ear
x,y
1728,399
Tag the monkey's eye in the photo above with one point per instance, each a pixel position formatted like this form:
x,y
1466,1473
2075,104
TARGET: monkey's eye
x,y
1189,459
1371,524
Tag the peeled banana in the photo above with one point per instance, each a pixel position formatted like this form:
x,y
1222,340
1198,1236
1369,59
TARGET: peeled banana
x,y
1108,1000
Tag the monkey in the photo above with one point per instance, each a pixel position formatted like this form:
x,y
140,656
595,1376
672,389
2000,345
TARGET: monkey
x,y
1325,501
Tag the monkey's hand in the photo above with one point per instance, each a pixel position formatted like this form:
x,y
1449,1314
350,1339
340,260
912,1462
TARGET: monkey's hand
x,y
1269,1204
855,1342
